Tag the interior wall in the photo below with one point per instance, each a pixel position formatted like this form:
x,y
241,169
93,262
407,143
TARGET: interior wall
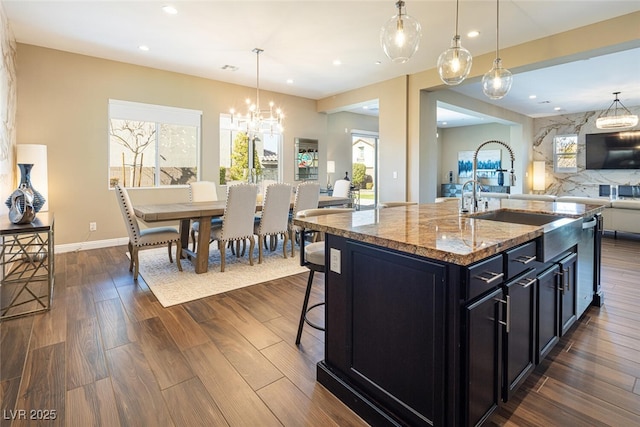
x,y
584,182
339,128
392,130
468,138
8,105
63,103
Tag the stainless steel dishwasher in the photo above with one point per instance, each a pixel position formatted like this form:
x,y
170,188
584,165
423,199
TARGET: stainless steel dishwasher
x,y
586,264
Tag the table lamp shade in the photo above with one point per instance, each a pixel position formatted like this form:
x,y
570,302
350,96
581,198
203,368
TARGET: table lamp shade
x,y
538,175
331,166
36,154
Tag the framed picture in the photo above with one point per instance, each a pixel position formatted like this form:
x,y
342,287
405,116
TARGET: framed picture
x,y
489,161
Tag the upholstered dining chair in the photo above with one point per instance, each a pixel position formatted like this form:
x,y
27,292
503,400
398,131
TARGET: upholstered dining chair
x,y
342,188
393,204
238,220
274,218
307,197
148,237
312,257
202,191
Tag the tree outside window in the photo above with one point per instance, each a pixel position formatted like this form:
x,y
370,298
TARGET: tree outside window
x,y
162,151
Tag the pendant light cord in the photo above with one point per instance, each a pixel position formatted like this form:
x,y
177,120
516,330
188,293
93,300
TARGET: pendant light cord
x,y
457,2
497,29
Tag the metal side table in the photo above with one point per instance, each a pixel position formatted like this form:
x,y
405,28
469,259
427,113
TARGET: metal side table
x,y
27,261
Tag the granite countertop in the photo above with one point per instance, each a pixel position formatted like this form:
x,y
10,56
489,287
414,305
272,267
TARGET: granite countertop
x,y
438,231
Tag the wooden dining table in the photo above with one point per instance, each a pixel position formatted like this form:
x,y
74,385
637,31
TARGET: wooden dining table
x,y
185,212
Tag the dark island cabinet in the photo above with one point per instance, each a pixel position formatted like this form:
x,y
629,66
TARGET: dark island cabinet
x,y
483,364
386,326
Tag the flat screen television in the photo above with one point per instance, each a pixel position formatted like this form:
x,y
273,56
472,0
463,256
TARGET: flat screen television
x,y
613,150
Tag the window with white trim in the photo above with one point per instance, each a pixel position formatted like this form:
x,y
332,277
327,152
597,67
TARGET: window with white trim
x,y
565,153
153,145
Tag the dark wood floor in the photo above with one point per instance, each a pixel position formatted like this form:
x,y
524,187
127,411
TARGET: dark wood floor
x,y
108,354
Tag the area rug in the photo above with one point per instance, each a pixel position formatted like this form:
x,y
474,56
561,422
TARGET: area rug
x,y
173,287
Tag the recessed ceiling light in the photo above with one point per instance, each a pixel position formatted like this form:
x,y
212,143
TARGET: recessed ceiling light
x,y
378,62
557,108
473,34
230,67
289,81
169,10
337,62
444,123
533,96
143,47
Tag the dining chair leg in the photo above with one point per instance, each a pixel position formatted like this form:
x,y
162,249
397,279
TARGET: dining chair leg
x,y
193,241
284,244
179,255
170,256
131,256
252,244
260,247
136,263
293,242
223,252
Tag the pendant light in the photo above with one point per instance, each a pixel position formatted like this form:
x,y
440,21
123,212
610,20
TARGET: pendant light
x,y
454,64
606,120
496,83
400,36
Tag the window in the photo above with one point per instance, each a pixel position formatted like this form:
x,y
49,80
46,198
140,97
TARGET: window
x,y
152,145
234,157
565,153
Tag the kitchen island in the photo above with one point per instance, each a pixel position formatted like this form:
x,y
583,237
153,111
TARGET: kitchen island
x,y
435,318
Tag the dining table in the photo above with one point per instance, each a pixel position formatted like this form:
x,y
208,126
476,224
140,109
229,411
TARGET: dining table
x,y
185,212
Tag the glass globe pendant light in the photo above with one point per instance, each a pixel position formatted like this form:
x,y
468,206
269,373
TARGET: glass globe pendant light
x,y
454,64
496,83
400,36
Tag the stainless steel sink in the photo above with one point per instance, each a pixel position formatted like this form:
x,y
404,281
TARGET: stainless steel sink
x,y
559,233
517,217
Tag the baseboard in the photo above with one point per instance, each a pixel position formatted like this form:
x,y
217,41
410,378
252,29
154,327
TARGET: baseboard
x,y
94,244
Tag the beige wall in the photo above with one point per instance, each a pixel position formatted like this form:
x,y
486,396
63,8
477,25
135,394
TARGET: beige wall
x,y
63,103
7,111
392,121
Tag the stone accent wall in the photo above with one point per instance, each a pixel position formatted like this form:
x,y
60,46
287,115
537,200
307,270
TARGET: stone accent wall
x,y
584,182
8,107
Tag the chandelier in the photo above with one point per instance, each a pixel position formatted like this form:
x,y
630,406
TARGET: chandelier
x,y
400,36
606,120
257,120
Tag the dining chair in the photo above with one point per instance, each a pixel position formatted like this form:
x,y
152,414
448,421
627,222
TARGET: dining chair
x,y
148,237
342,188
202,191
238,220
274,218
393,204
312,256
307,197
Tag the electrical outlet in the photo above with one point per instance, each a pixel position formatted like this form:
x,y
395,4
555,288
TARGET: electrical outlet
x,y
93,226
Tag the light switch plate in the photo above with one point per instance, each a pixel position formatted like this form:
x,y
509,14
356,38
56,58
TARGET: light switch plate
x,y
335,260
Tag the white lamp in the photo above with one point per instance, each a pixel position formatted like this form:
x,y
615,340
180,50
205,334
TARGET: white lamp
x,y
36,155
331,168
538,175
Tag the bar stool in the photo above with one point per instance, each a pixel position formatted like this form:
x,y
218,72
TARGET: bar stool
x,y
312,256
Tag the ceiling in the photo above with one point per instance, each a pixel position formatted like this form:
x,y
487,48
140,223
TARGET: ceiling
x,y
302,39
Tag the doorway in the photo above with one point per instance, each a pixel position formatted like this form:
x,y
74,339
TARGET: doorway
x,y
364,146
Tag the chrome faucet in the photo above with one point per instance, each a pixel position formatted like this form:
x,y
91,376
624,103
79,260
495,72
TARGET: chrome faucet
x,y
474,178
474,203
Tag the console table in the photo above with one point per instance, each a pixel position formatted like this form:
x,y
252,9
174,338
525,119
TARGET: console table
x,y
27,261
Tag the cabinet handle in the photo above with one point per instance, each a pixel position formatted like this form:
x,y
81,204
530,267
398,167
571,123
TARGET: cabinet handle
x,y
565,278
526,284
562,286
507,302
493,278
525,259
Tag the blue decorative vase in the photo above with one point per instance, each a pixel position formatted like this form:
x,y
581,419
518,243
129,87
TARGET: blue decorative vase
x,y
25,201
